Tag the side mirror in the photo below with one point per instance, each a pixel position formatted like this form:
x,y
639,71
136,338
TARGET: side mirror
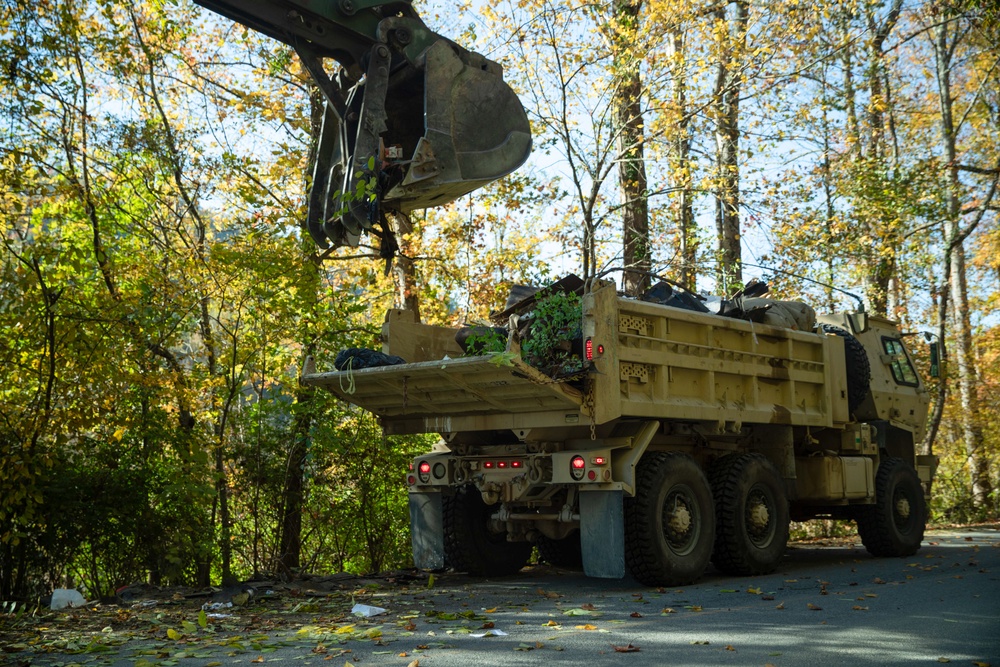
x,y
859,322
935,360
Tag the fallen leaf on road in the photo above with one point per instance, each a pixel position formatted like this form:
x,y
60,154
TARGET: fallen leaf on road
x,y
813,607
668,610
588,606
879,580
580,611
780,605
415,663
945,659
753,591
729,647
700,642
586,627
635,614
859,608
625,649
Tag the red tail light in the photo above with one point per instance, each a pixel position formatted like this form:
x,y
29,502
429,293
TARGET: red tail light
x,y
576,466
424,471
589,349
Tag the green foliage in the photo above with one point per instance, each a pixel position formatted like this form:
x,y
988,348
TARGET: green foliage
x,y
485,340
555,326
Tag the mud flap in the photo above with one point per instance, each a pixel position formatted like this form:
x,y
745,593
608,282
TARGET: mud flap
x,y
602,534
427,530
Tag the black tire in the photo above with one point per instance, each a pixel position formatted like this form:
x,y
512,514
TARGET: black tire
x,y
859,369
894,525
566,552
670,523
751,515
469,543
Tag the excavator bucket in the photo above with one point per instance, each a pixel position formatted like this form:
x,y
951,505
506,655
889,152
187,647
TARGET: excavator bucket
x,y
412,119
439,120
475,131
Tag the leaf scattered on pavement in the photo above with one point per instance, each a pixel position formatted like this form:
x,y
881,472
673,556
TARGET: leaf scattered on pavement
x,y
629,648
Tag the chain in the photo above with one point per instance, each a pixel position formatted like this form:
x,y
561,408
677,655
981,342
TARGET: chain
x,y
588,404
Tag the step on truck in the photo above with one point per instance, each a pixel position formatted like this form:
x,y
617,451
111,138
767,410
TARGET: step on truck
x,y
675,438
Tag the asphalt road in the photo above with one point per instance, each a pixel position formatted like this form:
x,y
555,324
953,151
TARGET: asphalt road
x,y
825,606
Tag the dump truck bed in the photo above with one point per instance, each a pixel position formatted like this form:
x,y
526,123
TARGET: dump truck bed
x,y
469,393
650,361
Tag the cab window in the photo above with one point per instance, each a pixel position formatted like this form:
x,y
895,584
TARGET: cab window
x,y
902,369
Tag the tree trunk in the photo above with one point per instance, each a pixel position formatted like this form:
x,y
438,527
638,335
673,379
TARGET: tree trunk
x,y
726,104
404,270
883,261
971,429
293,490
682,207
631,160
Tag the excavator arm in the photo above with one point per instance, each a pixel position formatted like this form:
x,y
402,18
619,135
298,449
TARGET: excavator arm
x,y
411,120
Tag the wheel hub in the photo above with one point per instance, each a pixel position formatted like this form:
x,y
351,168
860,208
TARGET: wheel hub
x,y
758,517
903,507
680,520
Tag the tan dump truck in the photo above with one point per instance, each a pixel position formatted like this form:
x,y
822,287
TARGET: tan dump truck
x,y
685,437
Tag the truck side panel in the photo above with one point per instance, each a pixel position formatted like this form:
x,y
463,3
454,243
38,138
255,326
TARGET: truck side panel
x,y
668,363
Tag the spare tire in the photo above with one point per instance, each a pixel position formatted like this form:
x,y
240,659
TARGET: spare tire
x,y
859,370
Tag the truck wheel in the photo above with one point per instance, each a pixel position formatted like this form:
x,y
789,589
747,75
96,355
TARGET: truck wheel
x,y
751,515
859,369
894,525
670,523
561,553
470,545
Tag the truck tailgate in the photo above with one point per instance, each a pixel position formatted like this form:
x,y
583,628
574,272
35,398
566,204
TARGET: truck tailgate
x,y
460,387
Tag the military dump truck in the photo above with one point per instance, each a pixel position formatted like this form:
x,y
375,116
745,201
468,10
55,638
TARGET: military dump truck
x,y
678,436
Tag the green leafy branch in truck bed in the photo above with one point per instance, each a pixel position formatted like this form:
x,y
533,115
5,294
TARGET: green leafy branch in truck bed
x,y
552,341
